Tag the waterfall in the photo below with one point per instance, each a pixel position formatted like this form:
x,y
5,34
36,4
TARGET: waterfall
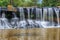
x,y
14,21
37,14
57,13
22,16
31,11
28,13
50,12
40,11
31,18
3,15
22,22
44,14
4,22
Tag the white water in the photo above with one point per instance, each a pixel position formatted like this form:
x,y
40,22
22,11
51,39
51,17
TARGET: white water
x,y
4,22
41,21
44,14
51,15
57,14
28,13
14,21
22,16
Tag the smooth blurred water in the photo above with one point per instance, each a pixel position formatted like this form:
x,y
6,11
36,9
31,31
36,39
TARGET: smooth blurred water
x,y
44,19
4,22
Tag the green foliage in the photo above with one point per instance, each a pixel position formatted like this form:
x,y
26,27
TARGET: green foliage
x,y
29,3
58,3
19,3
4,3
50,3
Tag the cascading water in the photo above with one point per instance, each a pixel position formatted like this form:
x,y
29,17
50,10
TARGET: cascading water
x,y
44,21
14,21
36,18
44,14
51,16
37,13
57,13
22,16
22,22
41,17
29,20
28,13
4,22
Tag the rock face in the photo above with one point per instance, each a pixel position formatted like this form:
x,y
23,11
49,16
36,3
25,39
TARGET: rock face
x,y
30,34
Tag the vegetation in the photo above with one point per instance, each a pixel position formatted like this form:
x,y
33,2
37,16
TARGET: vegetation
x,y
50,3
25,3
4,3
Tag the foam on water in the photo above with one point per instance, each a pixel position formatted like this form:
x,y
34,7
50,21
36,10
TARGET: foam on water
x,y
44,19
